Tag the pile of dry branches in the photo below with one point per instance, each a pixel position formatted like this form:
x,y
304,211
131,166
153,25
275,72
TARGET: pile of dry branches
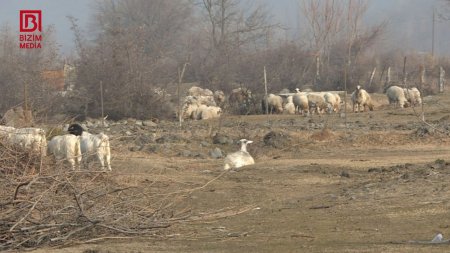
x,y
43,204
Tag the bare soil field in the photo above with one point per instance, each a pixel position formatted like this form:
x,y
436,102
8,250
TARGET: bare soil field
x,y
374,182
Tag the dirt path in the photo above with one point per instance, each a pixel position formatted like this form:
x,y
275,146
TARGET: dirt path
x,y
378,183
304,205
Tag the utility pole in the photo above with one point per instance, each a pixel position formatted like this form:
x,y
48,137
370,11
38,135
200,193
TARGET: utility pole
x,y
432,34
265,91
101,103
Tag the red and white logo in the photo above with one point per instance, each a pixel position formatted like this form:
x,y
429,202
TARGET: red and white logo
x,y
30,20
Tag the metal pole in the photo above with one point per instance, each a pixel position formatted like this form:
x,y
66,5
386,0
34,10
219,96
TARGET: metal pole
x,y
101,102
265,89
432,35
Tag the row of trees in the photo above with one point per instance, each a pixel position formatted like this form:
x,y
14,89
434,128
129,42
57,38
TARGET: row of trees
x,y
21,79
137,47
141,45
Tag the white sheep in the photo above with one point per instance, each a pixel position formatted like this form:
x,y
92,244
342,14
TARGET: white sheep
x,y
338,100
66,147
27,139
96,145
31,139
6,131
274,103
189,108
332,100
207,112
413,96
317,103
203,96
240,158
300,102
396,96
197,91
361,98
289,107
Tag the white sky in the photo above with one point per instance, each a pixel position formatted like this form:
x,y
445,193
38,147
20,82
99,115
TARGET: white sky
x,y
410,21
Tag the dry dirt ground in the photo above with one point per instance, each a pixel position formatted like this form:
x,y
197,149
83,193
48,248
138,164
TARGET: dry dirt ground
x,y
376,183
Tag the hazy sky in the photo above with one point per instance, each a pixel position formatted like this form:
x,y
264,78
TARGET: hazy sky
x,y
410,21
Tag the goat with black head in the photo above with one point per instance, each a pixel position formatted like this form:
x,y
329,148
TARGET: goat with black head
x,y
75,129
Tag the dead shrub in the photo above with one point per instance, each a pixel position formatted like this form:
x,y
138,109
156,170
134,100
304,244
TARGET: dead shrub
x,y
323,135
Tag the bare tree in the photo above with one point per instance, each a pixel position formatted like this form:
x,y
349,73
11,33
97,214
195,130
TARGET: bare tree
x,y
324,23
22,71
233,29
137,47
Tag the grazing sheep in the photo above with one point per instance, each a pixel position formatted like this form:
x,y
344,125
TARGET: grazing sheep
x,y
199,98
96,145
338,99
274,103
27,139
197,91
205,100
316,103
289,107
202,96
66,147
413,96
6,131
332,100
207,112
396,96
189,109
300,101
361,97
31,139
240,158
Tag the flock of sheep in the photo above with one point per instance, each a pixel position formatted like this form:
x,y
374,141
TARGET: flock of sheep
x,y
402,97
75,146
305,102
78,145
204,104
200,102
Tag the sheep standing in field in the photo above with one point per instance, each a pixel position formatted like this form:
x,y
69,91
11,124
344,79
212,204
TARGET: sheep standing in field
x,y
274,103
332,100
240,158
189,109
197,100
300,101
31,139
361,98
289,107
202,96
396,96
207,112
316,103
96,145
27,139
412,95
338,99
6,132
66,147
